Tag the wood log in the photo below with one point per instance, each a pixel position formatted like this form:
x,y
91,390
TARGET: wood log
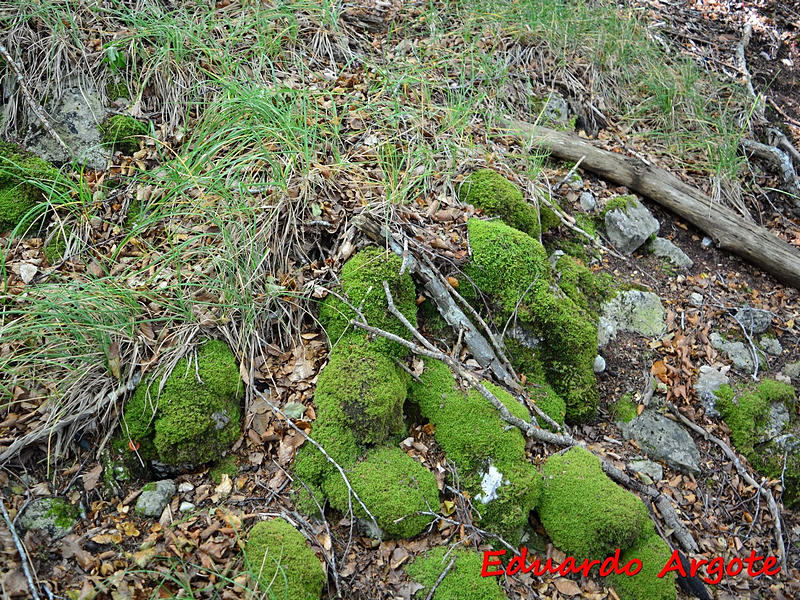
x,y
731,232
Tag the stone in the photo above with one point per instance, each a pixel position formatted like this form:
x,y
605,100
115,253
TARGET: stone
x,y
633,311
155,497
737,352
75,117
186,506
706,242
653,470
771,346
599,364
663,248
777,421
754,320
664,439
709,381
55,517
696,299
630,227
792,370
587,201
185,487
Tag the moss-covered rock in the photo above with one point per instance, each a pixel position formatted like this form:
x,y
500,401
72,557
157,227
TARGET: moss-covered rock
x,y
196,417
653,552
526,360
18,194
52,516
55,247
763,422
513,268
495,195
123,132
284,566
394,487
462,582
585,513
586,289
362,280
625,409
490,457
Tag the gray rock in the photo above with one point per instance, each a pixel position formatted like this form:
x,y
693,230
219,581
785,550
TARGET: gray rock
x,y
663,439
54,516
771,346
696,299
633,311
630,227
599,364
708,382
792,370
663,248
186,506
587,201
75,117
777,421
737,352
653,470
555,111
754,320
155,497
706,242
554,258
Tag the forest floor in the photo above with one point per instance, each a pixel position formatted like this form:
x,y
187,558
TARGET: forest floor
x,y
381,106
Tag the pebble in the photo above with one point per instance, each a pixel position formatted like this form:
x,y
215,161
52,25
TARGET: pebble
x,y
185,487
696,299
587,201
599,364
706,243
186,506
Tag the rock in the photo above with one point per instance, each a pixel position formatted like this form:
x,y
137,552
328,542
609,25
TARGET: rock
x,y
631,226
771,346
737,352
599,364
53,516
663,439
754,320
587,201
708,382
777,421
633,311
185,487
75,117
155,497
554,111
554,258
706,243
648,467
792,370
186,506
663,248
696,299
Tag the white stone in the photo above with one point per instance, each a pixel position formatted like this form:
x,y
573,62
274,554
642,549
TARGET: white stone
x,y
599,364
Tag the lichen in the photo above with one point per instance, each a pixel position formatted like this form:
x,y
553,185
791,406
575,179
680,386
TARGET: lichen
x,y
513,268
475,438
18,194
585,513
123,132
653,552
226,466
196,417
362,280
462,582
394,487
284,566
495,195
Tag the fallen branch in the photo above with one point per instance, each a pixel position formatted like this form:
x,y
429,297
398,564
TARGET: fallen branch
x,y
731,232
23,555
767,495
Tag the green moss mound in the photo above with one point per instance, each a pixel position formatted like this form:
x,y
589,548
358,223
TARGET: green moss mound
x,y
625,409
283,564
477,440
193,420
495,195
585,513
619,203
394,487
526,360
123,132
513,268
586,289
462,582
746,410
362,280
654,553
18,194
54,250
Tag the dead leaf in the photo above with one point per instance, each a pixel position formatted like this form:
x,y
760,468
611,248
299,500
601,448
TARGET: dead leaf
x,y
91,478
70,548
567,587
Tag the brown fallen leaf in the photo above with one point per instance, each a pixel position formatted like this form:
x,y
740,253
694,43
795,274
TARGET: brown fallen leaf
x,y
91,478
567,587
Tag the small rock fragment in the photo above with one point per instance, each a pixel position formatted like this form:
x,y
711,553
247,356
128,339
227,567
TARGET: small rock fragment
x,y
155,497
599,364
587,201
696,299
631,226
663,248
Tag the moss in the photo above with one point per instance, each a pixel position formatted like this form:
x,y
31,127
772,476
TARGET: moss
x,y
117,89
365,390
226,466
311,465
513,268
462,582
475,438
123,132
619,202
495,195
585,288
585,513
18,195
527,361
625,409
394,487
150,487
283,564
55,248
654,553
64,514
362,280
746,410
192,421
